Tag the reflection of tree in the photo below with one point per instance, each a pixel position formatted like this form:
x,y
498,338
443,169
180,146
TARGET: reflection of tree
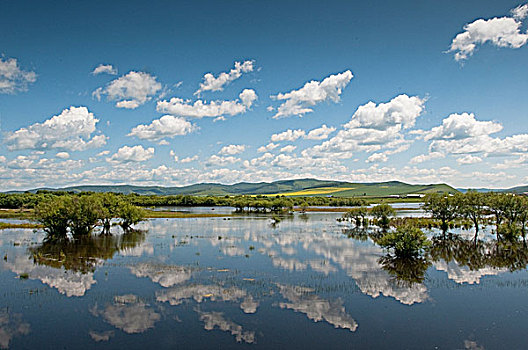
x,y
81,254
477,255
357,233
406,270
510,255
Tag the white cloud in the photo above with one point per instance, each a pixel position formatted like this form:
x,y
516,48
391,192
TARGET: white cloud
x,y
12,78
320,133
463,134
200,109
174,156
131,90
299,102
500,31
63,155
469,159
372,128
70,130
461,126
232,150
288,135
189,159
377,158
425,157
519,162
105,68
221,161
269,147
128,154
167,126
212,83
288,149
520,12
3,159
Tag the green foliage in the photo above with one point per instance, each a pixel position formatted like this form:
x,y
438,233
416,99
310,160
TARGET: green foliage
x,y
383,214
357,215
130,215
55,215
444,208
405,241
82,213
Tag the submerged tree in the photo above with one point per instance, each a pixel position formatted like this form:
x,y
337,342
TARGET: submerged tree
x,y
443,208
383,214
405,241
55,215
81,214
471,205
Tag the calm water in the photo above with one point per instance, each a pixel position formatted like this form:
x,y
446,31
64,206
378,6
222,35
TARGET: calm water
x,y
308,282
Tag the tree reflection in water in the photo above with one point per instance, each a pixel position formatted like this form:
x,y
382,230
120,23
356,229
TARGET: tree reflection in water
x,y
405,270
475,255
83,254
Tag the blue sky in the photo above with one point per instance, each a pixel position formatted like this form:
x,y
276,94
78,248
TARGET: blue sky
x,y
116,92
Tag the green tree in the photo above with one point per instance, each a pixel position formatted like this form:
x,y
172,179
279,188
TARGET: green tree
x,y
406,241
86,211
441,207
383,214
130,215
472,205
54,214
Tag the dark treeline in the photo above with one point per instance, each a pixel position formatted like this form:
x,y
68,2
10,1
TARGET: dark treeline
x,y
241,203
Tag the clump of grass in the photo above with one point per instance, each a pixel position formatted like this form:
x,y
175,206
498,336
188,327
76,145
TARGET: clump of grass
x,y
24,276
7,225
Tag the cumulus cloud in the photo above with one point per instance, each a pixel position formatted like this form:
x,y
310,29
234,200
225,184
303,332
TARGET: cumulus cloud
x,y
214,109
377,158
189,159
425,157
269,147
232,150
131,90
288,149
299,102
167,126
128,154
469,159
71,130
461,126
63,155
105,68
373,127
212,83
12,78
221,161
320,133
499,31
288,135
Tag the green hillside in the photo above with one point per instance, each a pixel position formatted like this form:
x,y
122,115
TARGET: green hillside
x,y
285,187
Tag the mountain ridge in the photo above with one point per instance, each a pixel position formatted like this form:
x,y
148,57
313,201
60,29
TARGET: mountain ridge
x,y
294,187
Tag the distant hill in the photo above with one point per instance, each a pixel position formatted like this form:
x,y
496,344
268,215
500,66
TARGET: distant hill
x,y
517,189
300,187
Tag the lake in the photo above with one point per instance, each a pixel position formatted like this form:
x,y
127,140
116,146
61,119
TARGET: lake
x,y
241,282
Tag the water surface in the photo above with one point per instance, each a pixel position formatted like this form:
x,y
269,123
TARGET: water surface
x,y
308,282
